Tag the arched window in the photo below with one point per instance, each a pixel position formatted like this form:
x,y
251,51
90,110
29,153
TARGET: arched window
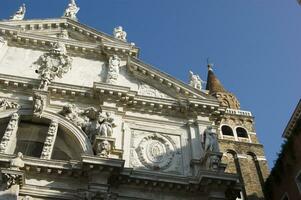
x,y
241,132
227,130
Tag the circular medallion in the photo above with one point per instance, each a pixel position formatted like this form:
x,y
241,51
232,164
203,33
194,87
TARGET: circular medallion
x,y
156,152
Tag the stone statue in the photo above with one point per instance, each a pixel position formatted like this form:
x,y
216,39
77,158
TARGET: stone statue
x,y
113,70
119,33
17,162
19,15
53,64
106,124
195,81
211,143
71,10
5,104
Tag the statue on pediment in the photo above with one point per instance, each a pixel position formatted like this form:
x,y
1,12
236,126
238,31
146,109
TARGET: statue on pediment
x,y
53,64
71,10
39,103
113,69
195,81
119,33
19,15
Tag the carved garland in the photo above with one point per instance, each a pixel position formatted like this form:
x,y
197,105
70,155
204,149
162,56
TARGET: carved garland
x,y
49,142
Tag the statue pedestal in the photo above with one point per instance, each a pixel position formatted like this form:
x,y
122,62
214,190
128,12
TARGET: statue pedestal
x,y
212,161
103,146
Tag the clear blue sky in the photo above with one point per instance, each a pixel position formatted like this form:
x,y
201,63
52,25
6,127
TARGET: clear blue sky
x,y
255,46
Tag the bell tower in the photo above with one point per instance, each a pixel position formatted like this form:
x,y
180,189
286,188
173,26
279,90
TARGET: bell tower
x,y
242,152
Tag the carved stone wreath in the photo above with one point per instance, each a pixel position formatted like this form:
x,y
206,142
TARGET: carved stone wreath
x,y
156,152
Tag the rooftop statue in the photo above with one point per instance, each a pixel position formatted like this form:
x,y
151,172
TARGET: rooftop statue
x,y
119,33
19,15
195,81
71,10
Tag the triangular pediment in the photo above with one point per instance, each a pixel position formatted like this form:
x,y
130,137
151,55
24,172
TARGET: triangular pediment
x,y
49,29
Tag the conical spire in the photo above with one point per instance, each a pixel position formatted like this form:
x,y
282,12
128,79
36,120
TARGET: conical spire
x,y
213,84
216,89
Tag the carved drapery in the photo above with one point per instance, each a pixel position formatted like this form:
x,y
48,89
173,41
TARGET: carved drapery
x,y
50,140
195,80
52,64
10,133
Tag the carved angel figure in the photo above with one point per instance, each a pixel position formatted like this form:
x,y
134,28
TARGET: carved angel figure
x,y
19,15
119,33
71,10
195,80
113,70
211,143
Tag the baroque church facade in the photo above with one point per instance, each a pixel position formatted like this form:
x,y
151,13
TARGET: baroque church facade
x,y
82,117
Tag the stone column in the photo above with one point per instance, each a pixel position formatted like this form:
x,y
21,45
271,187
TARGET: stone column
x,y
9,140
50,140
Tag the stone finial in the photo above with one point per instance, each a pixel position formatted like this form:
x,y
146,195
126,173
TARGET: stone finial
x,y
195,80
119,33
17,162
71,10
19,15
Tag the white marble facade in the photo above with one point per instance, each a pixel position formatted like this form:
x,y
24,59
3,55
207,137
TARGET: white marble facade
x,y
155,141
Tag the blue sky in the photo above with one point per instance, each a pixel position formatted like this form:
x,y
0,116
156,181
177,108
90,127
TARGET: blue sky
x,y
255,45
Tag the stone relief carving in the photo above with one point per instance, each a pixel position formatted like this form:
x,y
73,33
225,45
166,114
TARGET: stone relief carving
x,y
53,64
19,15
12,179
5,104
27,198
146,90
96,124
156,152
71,10
195,81
119,33
39,103
113,69
17,162
50,139
11,128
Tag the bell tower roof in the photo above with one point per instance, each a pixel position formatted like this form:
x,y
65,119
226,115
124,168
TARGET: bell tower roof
x,y
213,83
216,89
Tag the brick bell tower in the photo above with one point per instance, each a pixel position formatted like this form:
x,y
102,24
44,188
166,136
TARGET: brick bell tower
x,y
242,152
